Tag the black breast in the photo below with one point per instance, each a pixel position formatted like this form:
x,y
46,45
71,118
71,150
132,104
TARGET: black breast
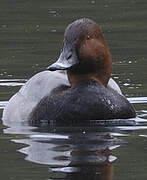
x,y
88,100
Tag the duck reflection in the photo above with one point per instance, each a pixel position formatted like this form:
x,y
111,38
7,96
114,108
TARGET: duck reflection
x,y
89,167
78,154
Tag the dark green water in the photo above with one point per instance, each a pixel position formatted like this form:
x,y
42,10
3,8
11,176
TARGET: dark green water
x,y
31,33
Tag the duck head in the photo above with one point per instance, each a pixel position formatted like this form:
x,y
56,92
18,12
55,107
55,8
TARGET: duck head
x,y
85,53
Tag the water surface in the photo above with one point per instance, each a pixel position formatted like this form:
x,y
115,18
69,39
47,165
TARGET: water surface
x,y
31,34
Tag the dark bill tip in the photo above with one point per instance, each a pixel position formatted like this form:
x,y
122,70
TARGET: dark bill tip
x,y
64,62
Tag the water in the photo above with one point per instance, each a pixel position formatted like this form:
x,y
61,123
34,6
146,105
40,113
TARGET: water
x,y
31,34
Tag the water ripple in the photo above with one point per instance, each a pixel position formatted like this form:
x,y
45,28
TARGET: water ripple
x,y
137,100
12,82
3,104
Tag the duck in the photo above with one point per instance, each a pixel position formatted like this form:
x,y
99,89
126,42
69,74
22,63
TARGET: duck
x,y
87,60
22,103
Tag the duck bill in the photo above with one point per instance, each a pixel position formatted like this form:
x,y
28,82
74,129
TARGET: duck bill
x,y
66,60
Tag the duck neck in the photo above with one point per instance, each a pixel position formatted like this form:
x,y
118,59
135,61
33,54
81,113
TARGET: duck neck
x,y
79,73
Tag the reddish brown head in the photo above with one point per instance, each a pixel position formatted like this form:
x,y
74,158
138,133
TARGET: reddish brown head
x,y
85,53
